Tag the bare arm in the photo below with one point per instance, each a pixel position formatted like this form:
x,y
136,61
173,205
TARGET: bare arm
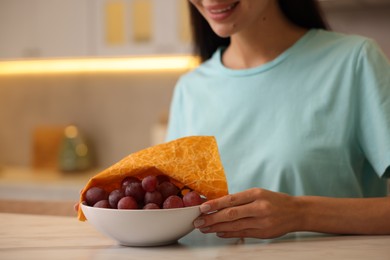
x,y
345,216
265,214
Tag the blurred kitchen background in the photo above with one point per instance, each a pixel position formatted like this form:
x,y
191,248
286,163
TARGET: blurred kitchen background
x,y
84,83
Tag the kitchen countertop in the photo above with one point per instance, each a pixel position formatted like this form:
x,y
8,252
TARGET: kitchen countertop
x,y
41,191
53,237
25,183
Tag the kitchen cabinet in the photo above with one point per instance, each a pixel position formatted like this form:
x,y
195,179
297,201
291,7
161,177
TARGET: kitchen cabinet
x,y
168,32
77,28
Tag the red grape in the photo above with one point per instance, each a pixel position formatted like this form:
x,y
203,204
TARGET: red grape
x,y
129,179
173,202
127,203
136,191
151,206
149,183
94,195
162,178
114,197
152,192
168,189
192,198
154,197
102,204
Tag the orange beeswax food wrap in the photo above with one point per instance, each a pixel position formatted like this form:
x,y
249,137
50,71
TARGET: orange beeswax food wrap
x,y
190,161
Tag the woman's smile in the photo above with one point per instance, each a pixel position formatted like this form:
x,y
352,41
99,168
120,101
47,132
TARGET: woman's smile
x,y
220,12
228,17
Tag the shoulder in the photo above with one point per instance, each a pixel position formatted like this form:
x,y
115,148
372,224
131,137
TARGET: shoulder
x,y
332,37
348,50
343,44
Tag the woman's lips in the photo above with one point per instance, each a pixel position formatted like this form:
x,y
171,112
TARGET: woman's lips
x,y
221,12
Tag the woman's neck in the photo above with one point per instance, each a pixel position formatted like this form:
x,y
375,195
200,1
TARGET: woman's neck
x,y
261,43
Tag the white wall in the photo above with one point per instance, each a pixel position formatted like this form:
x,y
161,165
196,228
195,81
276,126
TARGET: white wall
x,y
41,28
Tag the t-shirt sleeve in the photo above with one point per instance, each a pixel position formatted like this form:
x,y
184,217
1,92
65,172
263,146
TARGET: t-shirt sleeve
x,y
373,79
175,122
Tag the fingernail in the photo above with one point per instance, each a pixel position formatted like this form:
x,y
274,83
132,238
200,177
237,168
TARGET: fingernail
x,y
199,222
205,229
204,208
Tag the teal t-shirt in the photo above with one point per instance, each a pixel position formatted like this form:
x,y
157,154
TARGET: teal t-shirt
x,y
314,121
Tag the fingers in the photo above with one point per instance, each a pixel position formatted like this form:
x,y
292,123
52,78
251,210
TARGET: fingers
x,y
245,227
228,208
239,234
227,215
254,233
76,206
231,228
231,200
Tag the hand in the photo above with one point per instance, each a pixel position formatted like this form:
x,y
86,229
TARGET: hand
x,y
255,213
76,206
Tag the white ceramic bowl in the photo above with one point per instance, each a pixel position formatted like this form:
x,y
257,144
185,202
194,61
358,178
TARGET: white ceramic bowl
x,y
142,227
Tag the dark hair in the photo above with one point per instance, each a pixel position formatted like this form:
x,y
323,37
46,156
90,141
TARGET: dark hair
x,y
304,13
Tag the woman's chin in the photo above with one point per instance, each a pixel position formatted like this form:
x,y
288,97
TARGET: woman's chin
x,y
223,31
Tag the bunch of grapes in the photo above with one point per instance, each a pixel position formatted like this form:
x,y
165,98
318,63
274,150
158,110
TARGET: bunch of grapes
x,y
152,192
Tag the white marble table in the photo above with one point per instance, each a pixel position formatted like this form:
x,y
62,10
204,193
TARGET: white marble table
x,y
54,237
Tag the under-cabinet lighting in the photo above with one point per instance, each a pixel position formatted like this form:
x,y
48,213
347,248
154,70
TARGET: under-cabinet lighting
x,y
133,64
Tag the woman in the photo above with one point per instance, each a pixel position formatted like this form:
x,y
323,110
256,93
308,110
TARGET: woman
x,y
301,116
